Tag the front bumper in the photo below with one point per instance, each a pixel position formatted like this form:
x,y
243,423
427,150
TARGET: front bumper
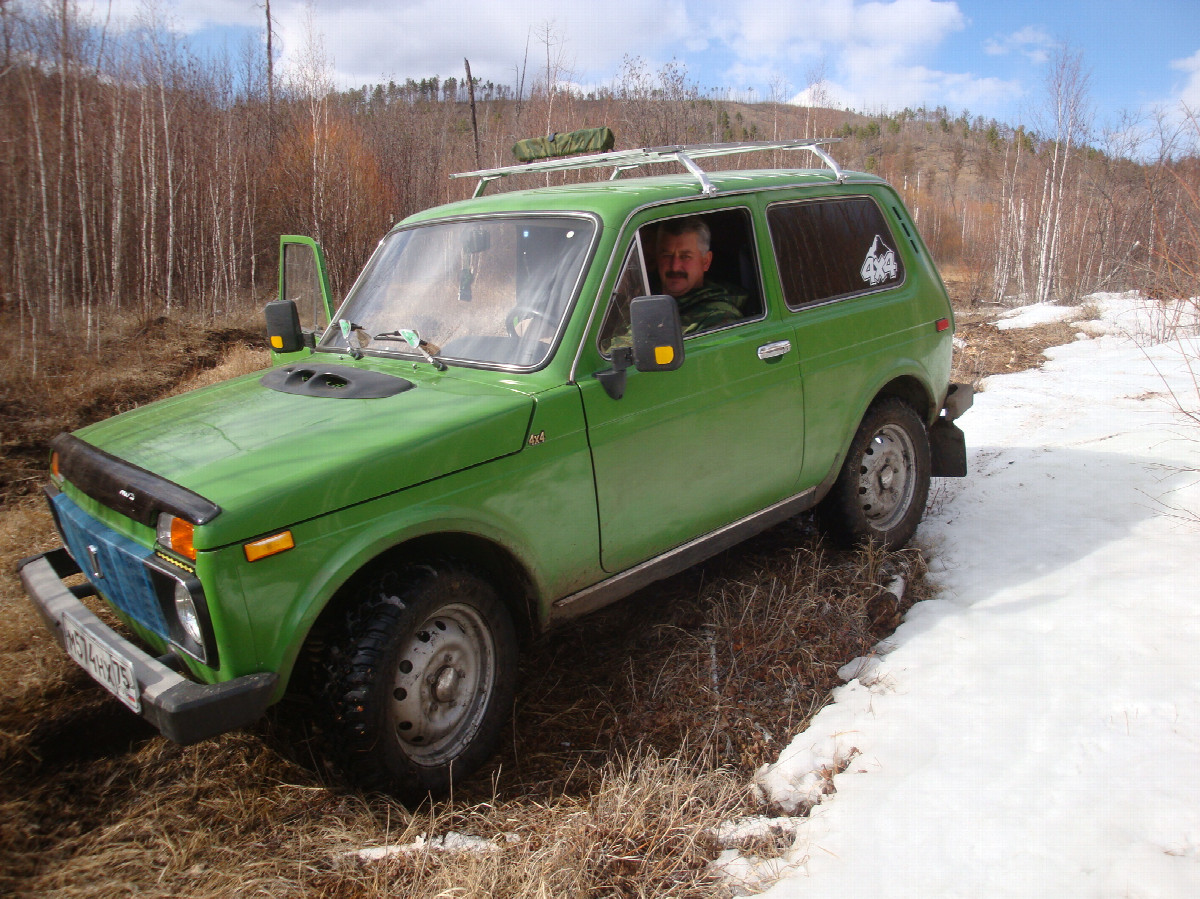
x,y
181,709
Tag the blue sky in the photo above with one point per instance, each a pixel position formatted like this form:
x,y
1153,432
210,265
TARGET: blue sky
x,y
988,57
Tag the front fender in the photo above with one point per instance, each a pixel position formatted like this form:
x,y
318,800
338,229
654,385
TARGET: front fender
x,y
536,507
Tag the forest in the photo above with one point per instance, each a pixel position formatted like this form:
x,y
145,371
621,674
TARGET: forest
x,y
137,176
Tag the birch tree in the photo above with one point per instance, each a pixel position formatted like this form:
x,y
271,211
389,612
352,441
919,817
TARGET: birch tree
x,y
1067,85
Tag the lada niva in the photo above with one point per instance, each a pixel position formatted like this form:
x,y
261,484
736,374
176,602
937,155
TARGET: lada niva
x,y
529,404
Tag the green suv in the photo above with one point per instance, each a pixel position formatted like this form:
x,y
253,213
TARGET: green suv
x,y
529,405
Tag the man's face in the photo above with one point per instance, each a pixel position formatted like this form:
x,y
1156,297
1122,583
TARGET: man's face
x,y
681,265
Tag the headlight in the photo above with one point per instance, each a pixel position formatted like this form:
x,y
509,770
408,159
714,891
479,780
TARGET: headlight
x,y
185,609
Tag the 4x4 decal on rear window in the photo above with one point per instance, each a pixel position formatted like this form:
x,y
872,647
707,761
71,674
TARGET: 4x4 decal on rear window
x,y
880,264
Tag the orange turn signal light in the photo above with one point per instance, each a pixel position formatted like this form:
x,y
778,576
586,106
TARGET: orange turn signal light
x,y
268,546
183,535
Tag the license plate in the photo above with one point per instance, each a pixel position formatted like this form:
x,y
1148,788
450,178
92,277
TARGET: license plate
x,y
111,669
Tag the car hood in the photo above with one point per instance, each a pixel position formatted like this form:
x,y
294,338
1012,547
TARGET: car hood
x,y
270,458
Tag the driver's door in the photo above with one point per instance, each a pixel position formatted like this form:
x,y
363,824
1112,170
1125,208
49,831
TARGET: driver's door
x,y
683,453
303,280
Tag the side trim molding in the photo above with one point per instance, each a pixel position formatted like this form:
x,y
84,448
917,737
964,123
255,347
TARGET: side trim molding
x,y
681,557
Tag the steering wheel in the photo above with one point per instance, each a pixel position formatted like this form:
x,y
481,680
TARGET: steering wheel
x,y
538,321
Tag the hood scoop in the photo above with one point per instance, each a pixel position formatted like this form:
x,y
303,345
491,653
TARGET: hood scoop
x,y
336,381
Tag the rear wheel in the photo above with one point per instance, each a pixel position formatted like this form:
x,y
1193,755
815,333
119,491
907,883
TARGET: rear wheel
x,y
422,681
879,496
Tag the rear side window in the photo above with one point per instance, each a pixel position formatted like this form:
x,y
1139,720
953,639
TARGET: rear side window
x,y
828,249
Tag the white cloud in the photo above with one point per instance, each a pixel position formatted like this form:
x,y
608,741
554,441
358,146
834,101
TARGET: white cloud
x,y
369,40
899,28
185,17
1188,93
874,53
366,40
1031,42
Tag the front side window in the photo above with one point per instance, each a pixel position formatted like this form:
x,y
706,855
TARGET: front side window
x,y
828,249
705,261
302,281
631,283
489,291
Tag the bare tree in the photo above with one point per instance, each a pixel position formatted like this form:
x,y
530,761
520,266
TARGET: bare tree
x,y
474,118
818,96
1067,85
270,70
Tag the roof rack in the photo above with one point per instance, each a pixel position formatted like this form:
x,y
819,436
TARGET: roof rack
x,y
685,155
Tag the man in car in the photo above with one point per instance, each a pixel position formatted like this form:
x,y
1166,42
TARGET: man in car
x,y
684,255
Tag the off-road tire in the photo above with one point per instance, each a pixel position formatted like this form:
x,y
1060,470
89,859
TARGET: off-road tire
x,y
421,680
880,494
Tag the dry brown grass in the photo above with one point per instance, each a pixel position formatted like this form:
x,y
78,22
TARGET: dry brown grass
x,y
138,360
991,351
635,731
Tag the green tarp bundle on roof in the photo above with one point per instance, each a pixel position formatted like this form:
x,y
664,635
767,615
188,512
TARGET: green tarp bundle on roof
x,y
588,140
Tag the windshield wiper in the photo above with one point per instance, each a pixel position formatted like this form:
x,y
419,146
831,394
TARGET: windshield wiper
x,y
360,334
413,339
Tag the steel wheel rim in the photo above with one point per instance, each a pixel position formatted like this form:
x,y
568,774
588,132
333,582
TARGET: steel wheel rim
x,y
443,677
887,477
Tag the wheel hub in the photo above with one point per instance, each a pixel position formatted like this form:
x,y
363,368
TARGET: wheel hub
x,y
445,684
885,484
444,675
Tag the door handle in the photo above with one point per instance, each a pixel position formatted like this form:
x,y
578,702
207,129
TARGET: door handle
x,y
774,350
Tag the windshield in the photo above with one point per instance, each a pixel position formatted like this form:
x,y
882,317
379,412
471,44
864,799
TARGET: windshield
x,y
490,290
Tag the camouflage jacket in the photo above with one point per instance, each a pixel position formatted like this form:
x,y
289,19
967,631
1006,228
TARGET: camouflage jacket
x,y
709,306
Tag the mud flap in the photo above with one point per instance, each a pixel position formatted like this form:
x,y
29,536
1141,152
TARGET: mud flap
x,y
947,450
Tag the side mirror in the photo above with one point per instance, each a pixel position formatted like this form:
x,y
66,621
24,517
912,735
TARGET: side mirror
x,y
283,327
657,342
657,333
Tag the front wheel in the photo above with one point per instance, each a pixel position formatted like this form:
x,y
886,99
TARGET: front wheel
x,y
879,496
422,682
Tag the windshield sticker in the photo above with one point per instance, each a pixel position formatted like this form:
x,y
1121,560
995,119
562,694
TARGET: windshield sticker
x,y
880,264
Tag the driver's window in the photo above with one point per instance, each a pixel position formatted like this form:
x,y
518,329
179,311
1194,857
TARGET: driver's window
x,y
706,261
632,283
301,282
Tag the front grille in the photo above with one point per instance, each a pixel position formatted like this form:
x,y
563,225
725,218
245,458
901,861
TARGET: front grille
x,y
124,580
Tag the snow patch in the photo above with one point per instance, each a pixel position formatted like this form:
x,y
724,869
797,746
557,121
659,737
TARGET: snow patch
x,y
1035,728
748,875
1036,314
805,772
460,843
